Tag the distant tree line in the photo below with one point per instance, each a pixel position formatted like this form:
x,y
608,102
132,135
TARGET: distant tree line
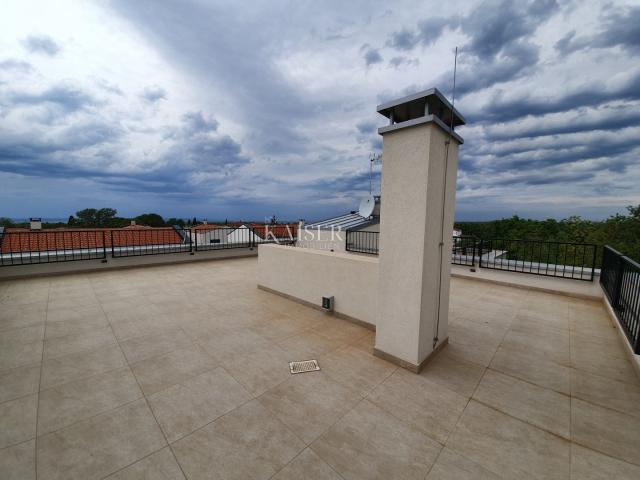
x,y
621,232
108,218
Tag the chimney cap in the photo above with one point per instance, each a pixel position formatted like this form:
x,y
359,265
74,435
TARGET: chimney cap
x,y
418,104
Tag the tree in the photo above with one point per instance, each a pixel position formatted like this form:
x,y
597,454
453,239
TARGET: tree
x,y
175,221
195,222
91,217
150,219
6,222
72,221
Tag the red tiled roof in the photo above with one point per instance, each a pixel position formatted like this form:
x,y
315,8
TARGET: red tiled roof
x,y
278,231
24,240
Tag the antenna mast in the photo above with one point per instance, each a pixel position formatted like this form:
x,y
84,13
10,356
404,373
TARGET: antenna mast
x,y
444,194
373,158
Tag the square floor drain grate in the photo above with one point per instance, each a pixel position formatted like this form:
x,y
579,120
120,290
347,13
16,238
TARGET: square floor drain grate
x,y
304,366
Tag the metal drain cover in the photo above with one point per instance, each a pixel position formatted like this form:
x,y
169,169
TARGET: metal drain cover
x,y
304,366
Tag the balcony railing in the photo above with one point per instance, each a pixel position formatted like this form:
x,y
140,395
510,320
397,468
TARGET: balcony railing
x,y
362,242
26,248
620,281
36,247
576,261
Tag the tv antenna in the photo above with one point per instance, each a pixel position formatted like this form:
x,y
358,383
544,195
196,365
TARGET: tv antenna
x,y
374,159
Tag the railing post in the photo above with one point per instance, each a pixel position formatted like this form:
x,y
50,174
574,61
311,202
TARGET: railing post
x,y
617,289
113,253
480,253
593,263
104,246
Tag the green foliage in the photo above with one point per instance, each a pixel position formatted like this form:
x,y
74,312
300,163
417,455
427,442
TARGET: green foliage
x,y
91,217
6,222
150,220
175,221
622,232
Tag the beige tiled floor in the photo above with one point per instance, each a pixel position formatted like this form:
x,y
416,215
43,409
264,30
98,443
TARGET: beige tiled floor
x,y
181,372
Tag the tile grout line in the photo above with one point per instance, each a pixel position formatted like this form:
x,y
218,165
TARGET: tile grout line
x,y
44,335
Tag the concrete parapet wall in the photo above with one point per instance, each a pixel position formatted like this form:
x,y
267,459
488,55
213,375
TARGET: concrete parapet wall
x,y
308,275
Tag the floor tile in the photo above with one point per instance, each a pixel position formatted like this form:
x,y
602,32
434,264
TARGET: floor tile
x,y
282,327
307,466
606,431
454,374
452,466
541,407
187,406
339,331
605,365
432,409
356,368
587,464
307,345
100,445
364,444
309,403
157,466
18,462
157,373
259,371
21,336
247,443
509,447
16,355
147,346
64,328
66,368
18,382
532,367
18,420
78,342
224,343
74,401
552,345
621,396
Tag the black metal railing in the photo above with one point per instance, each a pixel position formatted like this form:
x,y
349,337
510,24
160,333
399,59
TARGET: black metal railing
x,y
362,242
136,242
620,281
32,247
223,238
464,251
552,259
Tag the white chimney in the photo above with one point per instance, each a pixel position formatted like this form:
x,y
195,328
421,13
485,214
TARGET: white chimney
x,y
35,223
133,223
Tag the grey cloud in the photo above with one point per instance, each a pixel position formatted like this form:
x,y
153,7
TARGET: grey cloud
x,y
153,94
427,32
371,55
396,62
42,44
66,98
503,110
619,27
14,65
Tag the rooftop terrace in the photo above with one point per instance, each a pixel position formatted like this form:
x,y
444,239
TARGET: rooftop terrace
x,y
182,371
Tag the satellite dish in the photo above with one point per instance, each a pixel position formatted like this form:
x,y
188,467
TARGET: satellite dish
x,y
367,204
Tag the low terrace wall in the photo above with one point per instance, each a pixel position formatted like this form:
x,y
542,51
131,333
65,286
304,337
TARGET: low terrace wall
x,y
307,275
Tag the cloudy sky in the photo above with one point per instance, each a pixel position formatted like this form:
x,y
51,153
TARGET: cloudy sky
x,y
246,109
